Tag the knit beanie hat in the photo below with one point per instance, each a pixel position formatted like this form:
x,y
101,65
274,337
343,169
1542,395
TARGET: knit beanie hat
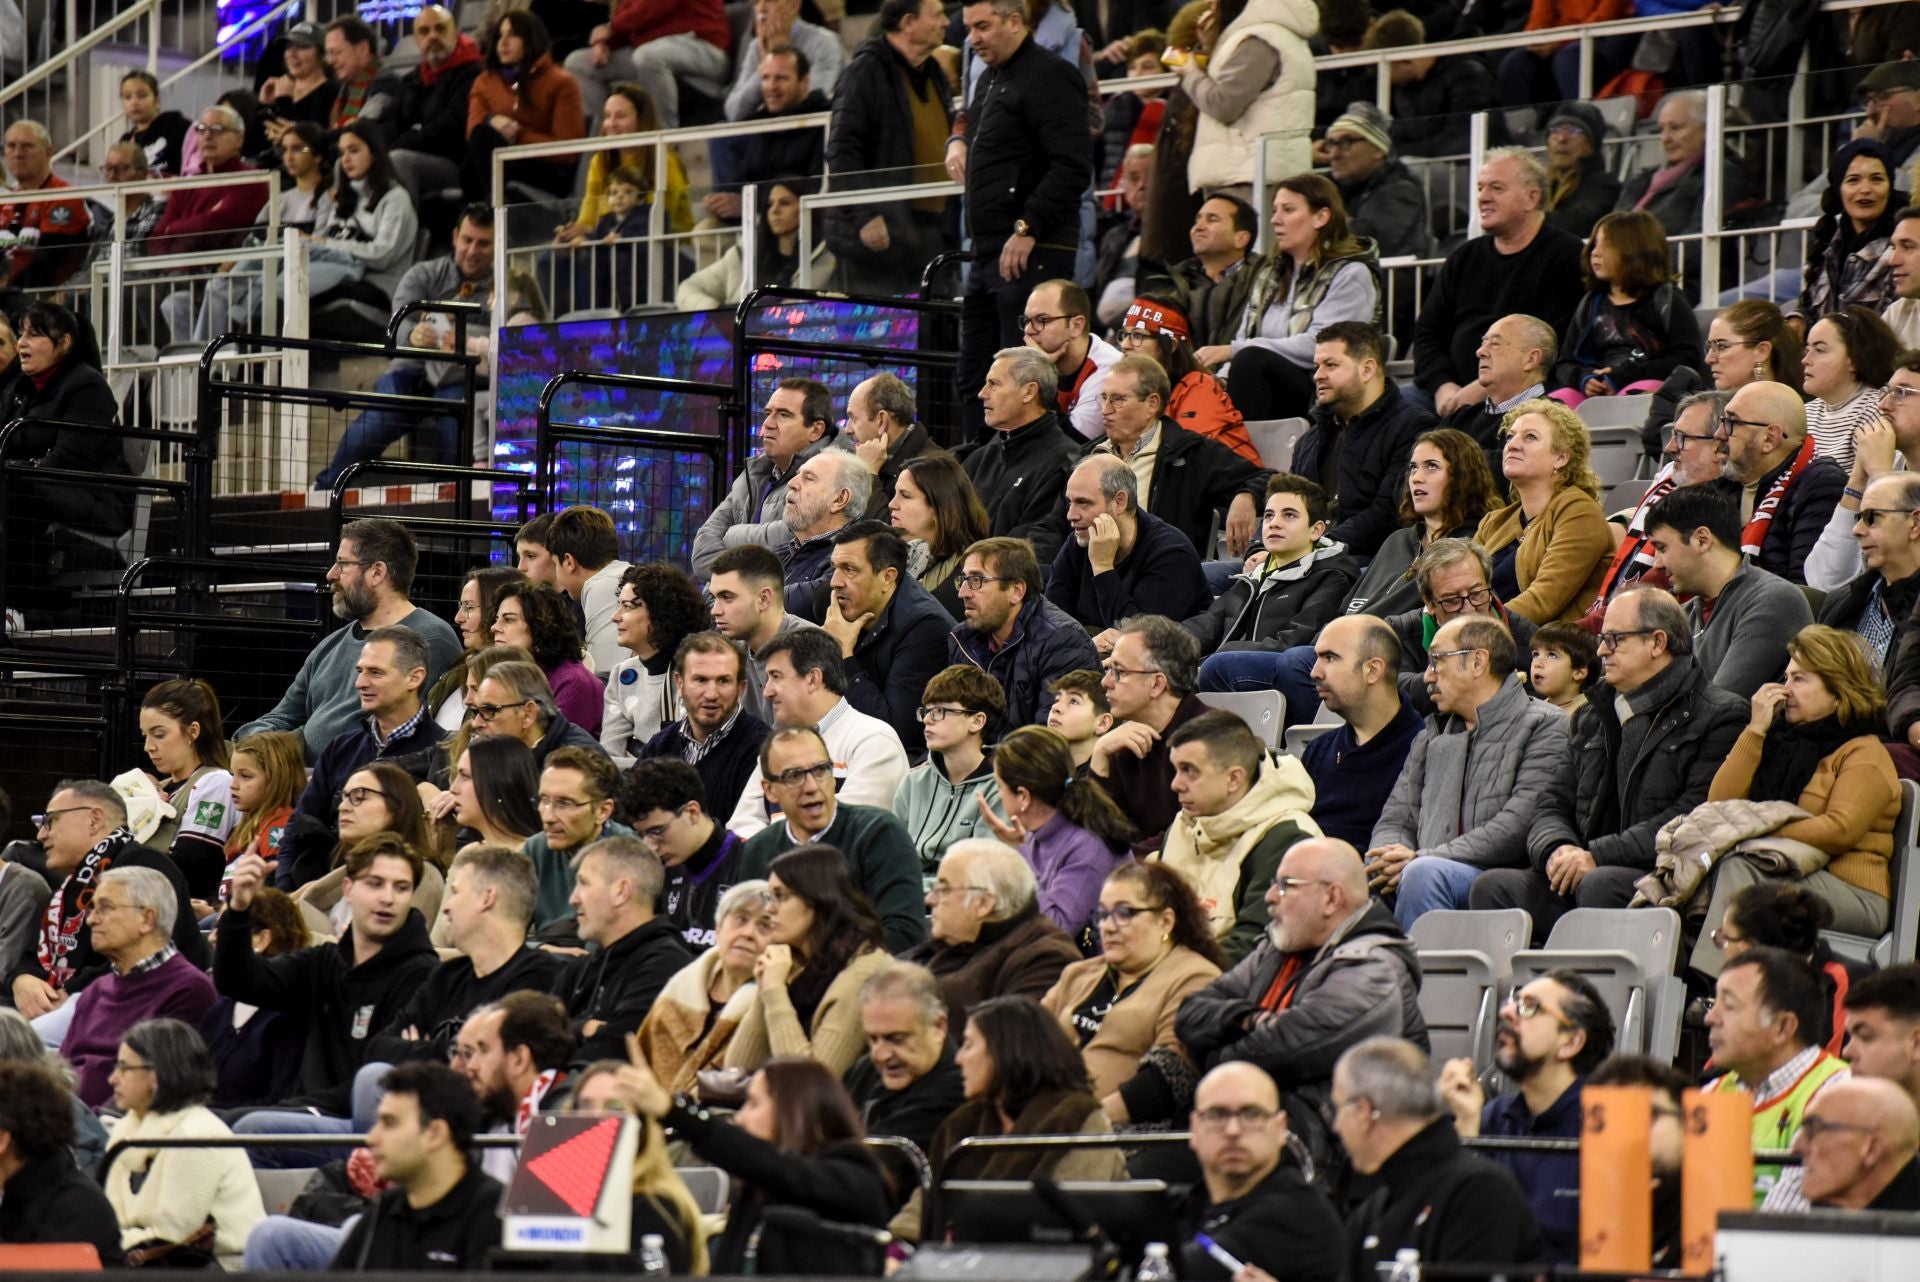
x,y
1372,124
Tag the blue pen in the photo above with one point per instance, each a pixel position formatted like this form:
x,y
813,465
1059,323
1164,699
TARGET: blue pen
x,y
1220,1254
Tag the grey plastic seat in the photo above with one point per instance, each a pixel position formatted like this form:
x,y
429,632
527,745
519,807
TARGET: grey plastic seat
x,y
1466,961
1616,450
711,1187
1264,711
1275,439
1615,411
1897,945
1629,955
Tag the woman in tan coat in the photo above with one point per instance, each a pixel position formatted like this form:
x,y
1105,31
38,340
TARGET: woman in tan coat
x,y
1156,948
522,97
1814,740
1550,545
694,1018
824,943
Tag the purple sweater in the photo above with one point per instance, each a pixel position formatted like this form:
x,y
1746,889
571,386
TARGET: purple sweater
x,y
1069,863
114,1003
580,695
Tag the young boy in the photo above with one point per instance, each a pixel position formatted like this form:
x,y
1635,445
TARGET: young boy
x,y
608,271
530,547
1080,713
1564,660
1290,589
960,708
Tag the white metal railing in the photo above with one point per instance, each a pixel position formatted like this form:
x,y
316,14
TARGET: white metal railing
x,y
816,201
33,94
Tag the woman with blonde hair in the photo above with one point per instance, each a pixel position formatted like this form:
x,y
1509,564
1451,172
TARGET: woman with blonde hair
x,y
661,1202
1814,740
1550,544
694,1018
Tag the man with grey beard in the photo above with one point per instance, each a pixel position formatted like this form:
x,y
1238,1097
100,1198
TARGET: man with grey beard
x,y
370,577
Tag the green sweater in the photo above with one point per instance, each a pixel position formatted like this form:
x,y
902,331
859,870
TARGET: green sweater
x,y
880,858
553,871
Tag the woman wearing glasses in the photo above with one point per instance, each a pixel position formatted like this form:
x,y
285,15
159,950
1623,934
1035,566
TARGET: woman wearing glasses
x,y
473,619
1065,824
1550,546
1850,356
1156,949
379,797
1751,342
824,943
1814,741
1199,403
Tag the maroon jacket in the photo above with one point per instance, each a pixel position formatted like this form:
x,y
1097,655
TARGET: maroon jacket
x,y
201,218
637,21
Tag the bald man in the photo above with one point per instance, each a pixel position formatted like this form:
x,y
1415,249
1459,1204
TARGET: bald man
x,y
1333,970
1356,673
1787,494
1258,1208
1857,1143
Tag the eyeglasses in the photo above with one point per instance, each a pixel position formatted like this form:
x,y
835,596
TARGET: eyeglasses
x,y
819,772
937,713
1123,914
1687,438
1477,598
1114,400
1870,516
202,128
1284,886
354,798
1721,346
1434,656
1031,323
561,805
974,582
658,832
1612,640
1721,937
1218,1119
488,711
941,890
1814,1127
101,907
1729,424
1341,144
46,820
1526,1007
1115,671
1899,395
121,1066
1133,337
342,563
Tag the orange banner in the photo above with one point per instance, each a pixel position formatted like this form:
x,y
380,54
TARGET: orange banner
x,y
1616,1179
1719,1170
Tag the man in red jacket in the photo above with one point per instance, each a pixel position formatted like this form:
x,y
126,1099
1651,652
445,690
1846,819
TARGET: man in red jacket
x,y
213,217
655,44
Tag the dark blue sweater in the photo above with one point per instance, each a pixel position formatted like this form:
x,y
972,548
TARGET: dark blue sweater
x,y
1351,781
1551,1180
1160,574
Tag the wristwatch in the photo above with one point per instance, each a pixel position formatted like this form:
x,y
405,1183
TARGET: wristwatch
x,y
1020,228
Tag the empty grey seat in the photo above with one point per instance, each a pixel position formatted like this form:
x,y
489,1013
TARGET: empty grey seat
x,y
1264,711
1466,962
1897,945
1275,439
1629,955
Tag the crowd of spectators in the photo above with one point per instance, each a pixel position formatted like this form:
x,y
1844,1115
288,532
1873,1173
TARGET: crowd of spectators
x,y
899,809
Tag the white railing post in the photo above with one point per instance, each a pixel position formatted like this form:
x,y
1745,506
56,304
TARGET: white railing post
x,y
1476,156
656,228
1715,163
1586,62
750,241
1383,86
294,424
1262,243
1797,110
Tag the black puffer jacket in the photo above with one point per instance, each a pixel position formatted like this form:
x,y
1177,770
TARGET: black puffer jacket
x,y
1022,478
1803,513
870,143
1371,468
77,393
1284,609
1452,1206
1022,160
432,118
1430,115
1046,643
1390,208
1611,807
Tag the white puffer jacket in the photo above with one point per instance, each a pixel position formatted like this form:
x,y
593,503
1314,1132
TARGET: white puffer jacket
x,y
1223,153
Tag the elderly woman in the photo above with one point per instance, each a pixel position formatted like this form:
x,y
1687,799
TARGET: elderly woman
x,y
1156,949
695,1016
1549,546
1814,740
178,1207
1675,191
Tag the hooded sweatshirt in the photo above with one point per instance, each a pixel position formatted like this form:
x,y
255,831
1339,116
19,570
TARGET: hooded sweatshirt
x,y
1230,858
936,812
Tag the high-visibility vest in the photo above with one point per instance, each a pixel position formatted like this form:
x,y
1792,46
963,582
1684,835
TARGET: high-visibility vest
x,y
1777,1122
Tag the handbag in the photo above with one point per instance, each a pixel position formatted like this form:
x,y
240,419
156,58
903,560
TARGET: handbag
x,y
194,1253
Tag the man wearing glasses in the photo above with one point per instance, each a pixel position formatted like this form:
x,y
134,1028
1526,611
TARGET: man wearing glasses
x,y
1886,447
1333,970
796,774
1878,603
1787,493
1640,758
213,217
1740,615
370,577
1857,1146
1258,1209
1056,325
1150,681
1012,632
576,810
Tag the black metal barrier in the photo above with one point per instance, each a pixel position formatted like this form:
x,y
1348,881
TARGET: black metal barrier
x,y
728,451
1148,1139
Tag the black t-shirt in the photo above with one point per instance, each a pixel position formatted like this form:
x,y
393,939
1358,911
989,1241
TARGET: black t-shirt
x,y
1090,1014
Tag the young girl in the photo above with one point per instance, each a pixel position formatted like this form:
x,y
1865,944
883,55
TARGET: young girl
x,y
269,773
1633,326
1564,659
181,730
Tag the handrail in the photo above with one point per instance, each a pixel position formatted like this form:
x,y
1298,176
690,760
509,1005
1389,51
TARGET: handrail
x,y
86,44
461,524
725,394
247,31
348,1139
846,198
1131,1139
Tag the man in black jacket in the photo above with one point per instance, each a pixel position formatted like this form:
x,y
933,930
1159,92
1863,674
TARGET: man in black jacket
x,y
428,127
1592,834
785,90
1363,430
891,86
1026,159
1189,480
443,1212
1021,472
907,1083
44,1197
1794,487
891,631
1879,604
1434,98
609,991
1121,561
1385,202
718,737
1012,632
880,422
1452,1206
1258,1208
350,991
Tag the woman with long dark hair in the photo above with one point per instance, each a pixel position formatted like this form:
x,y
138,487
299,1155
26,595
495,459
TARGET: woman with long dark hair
x,y
1156,948
937,510
1849,358
1751,342
494,784
1022,1075
540,620
824,942
364,227
1064,823
379,799
1846,255
184,738
720,284
796,1142
161,135
1320,273
1449,488
523,96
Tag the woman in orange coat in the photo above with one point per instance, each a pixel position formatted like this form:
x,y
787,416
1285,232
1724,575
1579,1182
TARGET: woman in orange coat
x,y
523,96
1199,403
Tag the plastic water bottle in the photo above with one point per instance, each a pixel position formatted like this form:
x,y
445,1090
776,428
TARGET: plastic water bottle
x,y
1154,1265
1404,1267
653,1256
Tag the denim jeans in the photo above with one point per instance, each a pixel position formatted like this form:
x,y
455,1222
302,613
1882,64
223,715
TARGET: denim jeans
x,y
273,1121
1288,671
282,1244
368,436
1431,882
53,1025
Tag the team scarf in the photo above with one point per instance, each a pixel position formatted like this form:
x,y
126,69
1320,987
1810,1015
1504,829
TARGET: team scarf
x,y
1634,548
60,933
530,1102
1756,532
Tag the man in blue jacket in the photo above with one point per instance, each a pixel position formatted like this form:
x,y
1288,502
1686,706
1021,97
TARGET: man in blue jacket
x,y
1012,632
892,631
